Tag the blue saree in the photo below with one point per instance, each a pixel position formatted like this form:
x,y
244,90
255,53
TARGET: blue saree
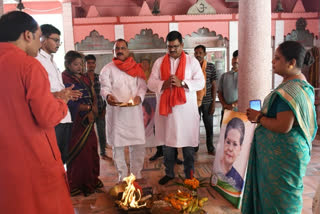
x,y
278,161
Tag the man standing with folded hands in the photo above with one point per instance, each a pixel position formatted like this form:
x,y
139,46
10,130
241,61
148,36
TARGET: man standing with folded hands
x,y
123,80
175,78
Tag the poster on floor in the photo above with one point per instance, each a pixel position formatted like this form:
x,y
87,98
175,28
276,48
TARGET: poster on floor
x,y
232,154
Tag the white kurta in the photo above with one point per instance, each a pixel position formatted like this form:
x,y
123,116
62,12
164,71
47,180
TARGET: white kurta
x,y
181,127
124,125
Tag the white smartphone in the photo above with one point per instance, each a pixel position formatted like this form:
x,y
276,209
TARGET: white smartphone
x,y
255,104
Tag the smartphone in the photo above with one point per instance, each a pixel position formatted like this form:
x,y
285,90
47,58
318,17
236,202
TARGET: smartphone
x,y
255,104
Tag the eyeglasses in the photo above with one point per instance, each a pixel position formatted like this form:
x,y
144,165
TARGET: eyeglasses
x,y
173,46
57,41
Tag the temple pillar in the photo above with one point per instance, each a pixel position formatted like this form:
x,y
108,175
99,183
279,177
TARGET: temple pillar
x,y
255,51
67,26
1,7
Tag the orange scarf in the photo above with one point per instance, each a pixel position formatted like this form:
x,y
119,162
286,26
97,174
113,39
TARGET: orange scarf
x,y
202,93
174,95
130,67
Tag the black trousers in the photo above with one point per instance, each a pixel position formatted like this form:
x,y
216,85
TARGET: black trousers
x,y
63,134
208,124
170,157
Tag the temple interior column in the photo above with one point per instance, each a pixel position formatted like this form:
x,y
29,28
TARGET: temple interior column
x,y
67,26
255,51
233,40
1,7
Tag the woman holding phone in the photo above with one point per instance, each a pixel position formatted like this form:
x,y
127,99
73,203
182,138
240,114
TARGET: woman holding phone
x,y
281,147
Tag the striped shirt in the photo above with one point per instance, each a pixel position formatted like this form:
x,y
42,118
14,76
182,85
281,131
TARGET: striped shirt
x,y
211,75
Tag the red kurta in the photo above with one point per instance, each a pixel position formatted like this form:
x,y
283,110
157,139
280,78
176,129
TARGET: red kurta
x,y
32,177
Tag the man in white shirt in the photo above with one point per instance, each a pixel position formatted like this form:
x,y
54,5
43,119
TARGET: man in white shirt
x,y
175,78
50,43
122,81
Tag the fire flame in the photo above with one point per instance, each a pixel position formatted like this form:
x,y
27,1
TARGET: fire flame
x,y
131,195
130,102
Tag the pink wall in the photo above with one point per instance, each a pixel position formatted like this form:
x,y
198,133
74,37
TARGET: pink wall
x,y
187,24
312,26
81,31
219,27
130,30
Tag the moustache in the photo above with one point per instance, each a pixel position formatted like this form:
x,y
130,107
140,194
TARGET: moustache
x,y
171,52
119,54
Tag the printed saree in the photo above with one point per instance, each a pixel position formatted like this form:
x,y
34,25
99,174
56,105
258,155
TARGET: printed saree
x,y
278,161
83,159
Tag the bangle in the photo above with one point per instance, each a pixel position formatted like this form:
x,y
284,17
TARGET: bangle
x,y
259,117
89,107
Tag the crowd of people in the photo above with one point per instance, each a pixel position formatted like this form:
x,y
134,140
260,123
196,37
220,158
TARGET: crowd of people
x,y
49,117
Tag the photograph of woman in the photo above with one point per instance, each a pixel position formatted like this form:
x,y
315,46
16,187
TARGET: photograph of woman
x,y
233,139
282,145
230,163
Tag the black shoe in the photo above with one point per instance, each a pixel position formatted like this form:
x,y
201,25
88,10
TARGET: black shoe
x,y
164,180
179,162
156,156
196,149
212,151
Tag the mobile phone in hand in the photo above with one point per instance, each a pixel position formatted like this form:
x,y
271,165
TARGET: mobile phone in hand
x,y
255,104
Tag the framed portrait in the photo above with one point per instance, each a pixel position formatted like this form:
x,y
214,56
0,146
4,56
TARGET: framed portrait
x,y
232,154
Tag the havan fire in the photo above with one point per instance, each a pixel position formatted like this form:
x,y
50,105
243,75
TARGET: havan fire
x,y
131,197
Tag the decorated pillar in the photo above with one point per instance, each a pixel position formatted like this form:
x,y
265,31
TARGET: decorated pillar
x,y
255,51
67,26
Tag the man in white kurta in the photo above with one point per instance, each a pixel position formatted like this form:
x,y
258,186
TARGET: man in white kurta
x,y
122,81
180,127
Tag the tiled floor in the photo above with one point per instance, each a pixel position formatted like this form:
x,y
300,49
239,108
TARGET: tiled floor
x,y
100,203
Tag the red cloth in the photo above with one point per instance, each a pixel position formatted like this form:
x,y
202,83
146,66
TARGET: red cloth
x,y
174,95
32,176
130,67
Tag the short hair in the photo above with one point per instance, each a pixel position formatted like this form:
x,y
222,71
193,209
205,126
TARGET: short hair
x,y
236,123
48,29
70,57
14,23
200,46
235,54
293,50
121,40
173,35
90,57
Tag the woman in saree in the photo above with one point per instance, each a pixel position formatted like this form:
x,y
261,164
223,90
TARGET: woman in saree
x,y
281,146
83,159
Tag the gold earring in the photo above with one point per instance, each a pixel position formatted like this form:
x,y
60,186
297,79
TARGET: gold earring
x,y
291,66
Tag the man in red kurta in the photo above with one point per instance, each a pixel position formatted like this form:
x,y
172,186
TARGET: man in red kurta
x,y
32,177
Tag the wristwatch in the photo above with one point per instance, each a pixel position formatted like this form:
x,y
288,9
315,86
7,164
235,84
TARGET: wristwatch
x,y
183,83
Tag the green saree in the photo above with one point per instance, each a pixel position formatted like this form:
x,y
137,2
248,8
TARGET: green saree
x,y
278,161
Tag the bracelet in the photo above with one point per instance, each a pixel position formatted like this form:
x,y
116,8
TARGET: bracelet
x,y
259,117
89,107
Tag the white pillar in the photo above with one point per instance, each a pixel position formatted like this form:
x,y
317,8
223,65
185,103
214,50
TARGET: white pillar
x,y
279,38
67,26
1,7
173,26
233,40
255,69
118,32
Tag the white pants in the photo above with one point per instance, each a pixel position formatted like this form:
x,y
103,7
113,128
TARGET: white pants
x,y
136,155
